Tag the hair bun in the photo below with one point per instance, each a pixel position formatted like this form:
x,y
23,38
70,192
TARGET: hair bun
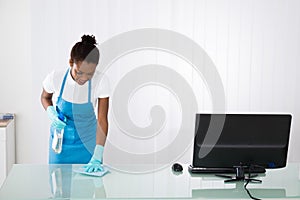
x,y
88,39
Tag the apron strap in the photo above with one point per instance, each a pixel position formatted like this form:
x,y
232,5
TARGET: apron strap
x,y
63,84
90,86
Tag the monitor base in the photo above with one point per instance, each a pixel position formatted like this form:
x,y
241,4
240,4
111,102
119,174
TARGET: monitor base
x,y
240,175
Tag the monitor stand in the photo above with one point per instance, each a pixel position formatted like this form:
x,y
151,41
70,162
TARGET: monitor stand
x,y
240,175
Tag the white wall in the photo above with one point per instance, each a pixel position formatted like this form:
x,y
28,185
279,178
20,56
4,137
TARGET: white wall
x,y
254,45
16,75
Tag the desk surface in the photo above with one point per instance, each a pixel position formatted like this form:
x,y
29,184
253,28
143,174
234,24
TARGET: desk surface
x,y
59,181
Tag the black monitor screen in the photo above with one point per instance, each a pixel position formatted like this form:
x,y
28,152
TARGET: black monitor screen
x,y
244,139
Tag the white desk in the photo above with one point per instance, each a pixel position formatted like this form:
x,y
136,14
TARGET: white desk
x,y
59,181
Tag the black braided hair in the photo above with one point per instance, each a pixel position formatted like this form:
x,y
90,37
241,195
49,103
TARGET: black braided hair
x,y
85,50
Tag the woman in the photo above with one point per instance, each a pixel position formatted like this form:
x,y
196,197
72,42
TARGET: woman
x,y
79,90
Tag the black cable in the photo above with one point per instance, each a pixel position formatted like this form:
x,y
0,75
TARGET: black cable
x,y
247,182
248,192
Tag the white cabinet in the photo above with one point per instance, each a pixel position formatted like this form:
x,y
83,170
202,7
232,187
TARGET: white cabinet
x,y
7,147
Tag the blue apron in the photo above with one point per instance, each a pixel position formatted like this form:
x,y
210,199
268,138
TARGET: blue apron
x,y
79,138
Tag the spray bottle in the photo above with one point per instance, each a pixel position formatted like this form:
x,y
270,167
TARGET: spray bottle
x,y
58,135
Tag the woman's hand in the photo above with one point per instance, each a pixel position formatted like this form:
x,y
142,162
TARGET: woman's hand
x,y
95,163
54,117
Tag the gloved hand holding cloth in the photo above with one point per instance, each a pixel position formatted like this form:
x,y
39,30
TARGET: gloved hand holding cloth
x,y
95,163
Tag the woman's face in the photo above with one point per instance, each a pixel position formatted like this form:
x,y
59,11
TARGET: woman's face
x,y
82,71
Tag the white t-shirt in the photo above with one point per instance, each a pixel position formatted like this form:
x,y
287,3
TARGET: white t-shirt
x,y
73,92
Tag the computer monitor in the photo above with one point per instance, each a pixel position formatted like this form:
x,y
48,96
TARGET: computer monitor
x,y
244,140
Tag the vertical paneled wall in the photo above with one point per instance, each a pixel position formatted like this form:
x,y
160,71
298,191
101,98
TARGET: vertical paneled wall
x,y
254,44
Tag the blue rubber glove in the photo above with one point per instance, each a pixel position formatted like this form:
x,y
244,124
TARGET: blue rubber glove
x,y
53,115
95,163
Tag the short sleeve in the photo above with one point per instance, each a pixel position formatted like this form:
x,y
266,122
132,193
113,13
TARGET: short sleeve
x,y
48,83
103,87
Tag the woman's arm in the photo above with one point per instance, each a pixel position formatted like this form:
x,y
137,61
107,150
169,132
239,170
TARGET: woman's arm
x,y
102,127
46,99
